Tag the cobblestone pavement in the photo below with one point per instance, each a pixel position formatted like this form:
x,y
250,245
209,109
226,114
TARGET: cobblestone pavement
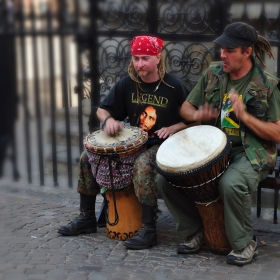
x,y
32,249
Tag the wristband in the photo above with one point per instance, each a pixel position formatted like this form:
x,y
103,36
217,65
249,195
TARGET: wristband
x,y
186,122
105,120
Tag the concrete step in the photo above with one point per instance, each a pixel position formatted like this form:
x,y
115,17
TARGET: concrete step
x,y
74,132
61,147
73,114
62,165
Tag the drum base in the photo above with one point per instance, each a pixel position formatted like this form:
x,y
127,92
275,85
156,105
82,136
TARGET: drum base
x,y
213,223
129,211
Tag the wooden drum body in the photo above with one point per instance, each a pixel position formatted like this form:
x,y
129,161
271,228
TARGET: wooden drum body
x,y
212,216
112,159
129,211
194,160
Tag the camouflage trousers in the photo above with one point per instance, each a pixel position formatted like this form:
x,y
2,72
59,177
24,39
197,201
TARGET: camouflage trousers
x,y
86,182
144,177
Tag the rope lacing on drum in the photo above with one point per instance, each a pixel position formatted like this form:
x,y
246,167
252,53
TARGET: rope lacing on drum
x,y
204,183
208,203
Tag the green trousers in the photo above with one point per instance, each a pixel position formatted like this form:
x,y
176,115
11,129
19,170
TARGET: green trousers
x,y
236,185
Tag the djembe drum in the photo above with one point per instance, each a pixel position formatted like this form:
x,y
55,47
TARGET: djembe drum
x,y
112,159
194,160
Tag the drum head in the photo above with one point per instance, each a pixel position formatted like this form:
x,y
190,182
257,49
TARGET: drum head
x,y
190,148
128,138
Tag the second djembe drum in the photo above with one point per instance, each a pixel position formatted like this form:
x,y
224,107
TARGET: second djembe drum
x,y
194,160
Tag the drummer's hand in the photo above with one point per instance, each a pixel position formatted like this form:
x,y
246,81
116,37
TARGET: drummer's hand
x,y
165,132
205,113
112,126
237,105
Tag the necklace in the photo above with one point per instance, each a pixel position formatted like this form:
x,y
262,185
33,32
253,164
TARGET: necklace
x,y
157,86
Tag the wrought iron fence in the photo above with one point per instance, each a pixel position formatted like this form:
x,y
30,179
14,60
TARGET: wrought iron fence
x,y
56,53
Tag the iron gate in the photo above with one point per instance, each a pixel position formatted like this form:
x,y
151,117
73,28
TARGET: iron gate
x,y
55,54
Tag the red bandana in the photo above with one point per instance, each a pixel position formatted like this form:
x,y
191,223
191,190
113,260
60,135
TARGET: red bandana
x,y
146,45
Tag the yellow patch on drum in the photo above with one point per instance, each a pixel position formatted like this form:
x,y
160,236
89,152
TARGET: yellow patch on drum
x,y
190,148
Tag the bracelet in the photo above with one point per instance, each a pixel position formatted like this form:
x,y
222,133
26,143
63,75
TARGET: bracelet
x,y
186,122
105,120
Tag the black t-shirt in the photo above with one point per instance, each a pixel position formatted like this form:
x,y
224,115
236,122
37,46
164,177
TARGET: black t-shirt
x,y
157,108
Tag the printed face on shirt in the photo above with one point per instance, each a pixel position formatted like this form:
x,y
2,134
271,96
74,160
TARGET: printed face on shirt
x,y
148,118
146,65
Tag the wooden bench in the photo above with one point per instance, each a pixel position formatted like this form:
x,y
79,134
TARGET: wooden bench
x,y
271,182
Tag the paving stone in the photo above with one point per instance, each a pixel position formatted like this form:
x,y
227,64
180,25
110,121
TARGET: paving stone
x,y
31,247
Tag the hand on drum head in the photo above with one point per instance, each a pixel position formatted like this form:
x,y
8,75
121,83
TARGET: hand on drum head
x,y
205,113
165,132
112,126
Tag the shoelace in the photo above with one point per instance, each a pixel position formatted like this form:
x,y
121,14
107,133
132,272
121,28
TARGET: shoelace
x,y
247,251
191,239
140,230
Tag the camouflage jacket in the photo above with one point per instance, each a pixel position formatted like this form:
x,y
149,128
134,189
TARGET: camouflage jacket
x,y
261,153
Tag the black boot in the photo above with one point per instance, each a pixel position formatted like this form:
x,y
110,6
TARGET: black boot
x,y
147,235
86,221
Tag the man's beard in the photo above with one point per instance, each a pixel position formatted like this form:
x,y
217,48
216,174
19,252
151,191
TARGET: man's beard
x,y
143,73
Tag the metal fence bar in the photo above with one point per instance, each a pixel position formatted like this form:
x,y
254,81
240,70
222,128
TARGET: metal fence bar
x,y
153,16
80,88
63,26
95,14
37,95
24,92
52,95
8,98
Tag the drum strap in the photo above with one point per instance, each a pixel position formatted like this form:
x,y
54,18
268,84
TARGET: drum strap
x,y
112,157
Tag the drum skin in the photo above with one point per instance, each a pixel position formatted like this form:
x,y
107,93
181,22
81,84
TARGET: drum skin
x,y
212,215
191,149
129,211
127,141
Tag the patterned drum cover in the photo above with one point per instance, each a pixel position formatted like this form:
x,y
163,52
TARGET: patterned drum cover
x,y
112,157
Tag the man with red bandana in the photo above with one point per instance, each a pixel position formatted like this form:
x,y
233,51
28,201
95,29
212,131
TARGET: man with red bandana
x,y
147,89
